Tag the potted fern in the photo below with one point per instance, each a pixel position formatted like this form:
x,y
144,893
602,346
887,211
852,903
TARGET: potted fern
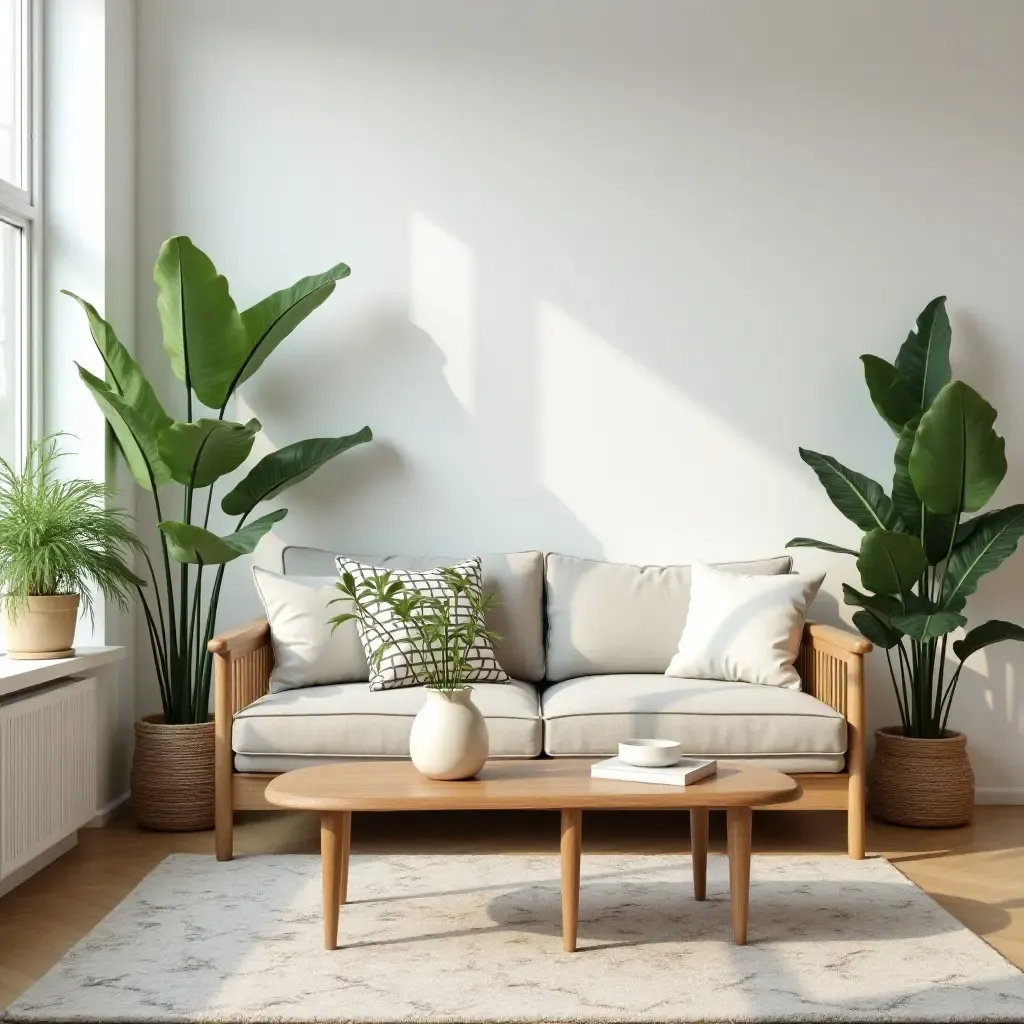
x,y
58,541
436,635
925,549
213,348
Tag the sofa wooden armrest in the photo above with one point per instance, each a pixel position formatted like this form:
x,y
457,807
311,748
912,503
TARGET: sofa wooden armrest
x,y
242,662
831,668
817,634
237,643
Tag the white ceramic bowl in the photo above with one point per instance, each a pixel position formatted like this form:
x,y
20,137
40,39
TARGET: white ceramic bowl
x,y
650,753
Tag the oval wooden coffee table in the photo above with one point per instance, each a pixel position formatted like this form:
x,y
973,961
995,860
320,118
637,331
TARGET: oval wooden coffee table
x,y
335,791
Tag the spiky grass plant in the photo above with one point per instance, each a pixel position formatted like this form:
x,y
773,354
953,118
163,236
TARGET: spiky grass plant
x,y
59,536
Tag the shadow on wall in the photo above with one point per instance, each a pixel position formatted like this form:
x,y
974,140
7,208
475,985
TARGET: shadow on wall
x,y
470,477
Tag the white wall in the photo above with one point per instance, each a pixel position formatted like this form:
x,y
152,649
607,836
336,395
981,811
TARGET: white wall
x,y
612,263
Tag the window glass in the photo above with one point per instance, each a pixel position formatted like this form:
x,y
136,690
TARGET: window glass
x,y
12,92
11,337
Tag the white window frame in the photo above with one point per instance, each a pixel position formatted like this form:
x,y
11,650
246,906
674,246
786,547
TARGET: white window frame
x,y
22,208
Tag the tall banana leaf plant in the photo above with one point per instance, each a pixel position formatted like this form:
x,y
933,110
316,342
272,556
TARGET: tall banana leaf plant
x,y
213,348
928,544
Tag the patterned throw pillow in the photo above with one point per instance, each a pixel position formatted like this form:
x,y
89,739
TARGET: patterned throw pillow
x,y
399,665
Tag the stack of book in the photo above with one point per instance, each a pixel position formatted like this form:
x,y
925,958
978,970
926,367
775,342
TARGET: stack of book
x,y
684,772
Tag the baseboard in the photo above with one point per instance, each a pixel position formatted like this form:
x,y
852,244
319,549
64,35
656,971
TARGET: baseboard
x,y
999,795
37,863
105,814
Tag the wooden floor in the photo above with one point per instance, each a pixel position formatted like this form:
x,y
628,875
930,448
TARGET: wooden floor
x,y
976,873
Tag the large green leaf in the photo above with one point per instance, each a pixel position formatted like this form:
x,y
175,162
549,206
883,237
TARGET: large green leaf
x,y
890,563
128,379
904,497
882,606
823,545
924,357
859,498
958,460
875,630
287,466
203,330
202,452
890,392
934,530
923,626
134,434
269,322
992,632
967,527
195,545
993,540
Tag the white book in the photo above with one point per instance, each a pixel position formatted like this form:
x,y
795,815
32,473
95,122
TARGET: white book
x,y
683,773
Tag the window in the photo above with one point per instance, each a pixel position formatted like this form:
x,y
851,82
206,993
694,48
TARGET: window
x,y
19,227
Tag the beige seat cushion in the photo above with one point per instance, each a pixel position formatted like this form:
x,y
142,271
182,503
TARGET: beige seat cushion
x,y
348,720
516,579
588,716
606,617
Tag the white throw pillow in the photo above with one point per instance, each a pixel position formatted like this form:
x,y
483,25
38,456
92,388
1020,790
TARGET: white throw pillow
x,y
306,652
744,628
399,665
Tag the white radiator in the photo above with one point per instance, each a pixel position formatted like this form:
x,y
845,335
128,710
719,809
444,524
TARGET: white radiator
x,y
47,769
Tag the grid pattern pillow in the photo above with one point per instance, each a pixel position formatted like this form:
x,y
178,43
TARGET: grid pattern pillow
x,y
400,666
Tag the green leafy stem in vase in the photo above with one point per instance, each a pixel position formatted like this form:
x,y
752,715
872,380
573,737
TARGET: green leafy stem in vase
x,y
920,556
213,349
435,634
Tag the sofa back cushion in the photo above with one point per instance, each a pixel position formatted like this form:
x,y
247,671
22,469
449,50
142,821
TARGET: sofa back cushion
x,y
517,580
306,650
606,618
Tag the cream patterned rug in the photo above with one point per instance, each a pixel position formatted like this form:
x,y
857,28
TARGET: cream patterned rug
x,y
474,938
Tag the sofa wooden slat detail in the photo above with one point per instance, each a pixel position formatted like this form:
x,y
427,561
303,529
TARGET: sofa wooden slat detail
x,y
830,665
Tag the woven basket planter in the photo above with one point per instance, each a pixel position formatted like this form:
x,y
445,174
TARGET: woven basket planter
x,y
172,775
924,783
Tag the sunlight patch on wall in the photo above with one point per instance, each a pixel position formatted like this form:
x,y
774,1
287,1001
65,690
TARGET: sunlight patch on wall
x,y
649,470
442,301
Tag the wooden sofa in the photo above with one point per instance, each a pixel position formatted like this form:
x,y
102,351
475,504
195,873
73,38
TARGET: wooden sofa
x,y
830,665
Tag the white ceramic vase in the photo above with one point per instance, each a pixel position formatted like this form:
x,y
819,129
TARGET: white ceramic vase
x,y
449,735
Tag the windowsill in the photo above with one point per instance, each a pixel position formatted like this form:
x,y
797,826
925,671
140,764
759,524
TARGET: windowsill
x,y
18,675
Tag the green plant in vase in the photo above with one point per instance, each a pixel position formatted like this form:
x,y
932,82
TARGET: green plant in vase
x,y
926,545
213,348
437,636
58,540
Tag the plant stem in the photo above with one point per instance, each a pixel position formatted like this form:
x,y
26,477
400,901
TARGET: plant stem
x,y
160,642
938,688
185,638
154,640
169,710
948,699
899,697
198,714
906,667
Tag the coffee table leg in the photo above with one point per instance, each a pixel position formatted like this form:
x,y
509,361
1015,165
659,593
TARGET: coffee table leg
x,y
346,844
334,832
572,835
738,823
699,851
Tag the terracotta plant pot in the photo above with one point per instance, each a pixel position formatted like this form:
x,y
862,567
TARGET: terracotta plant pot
x,y
924,783
449,736
172,775
45,628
